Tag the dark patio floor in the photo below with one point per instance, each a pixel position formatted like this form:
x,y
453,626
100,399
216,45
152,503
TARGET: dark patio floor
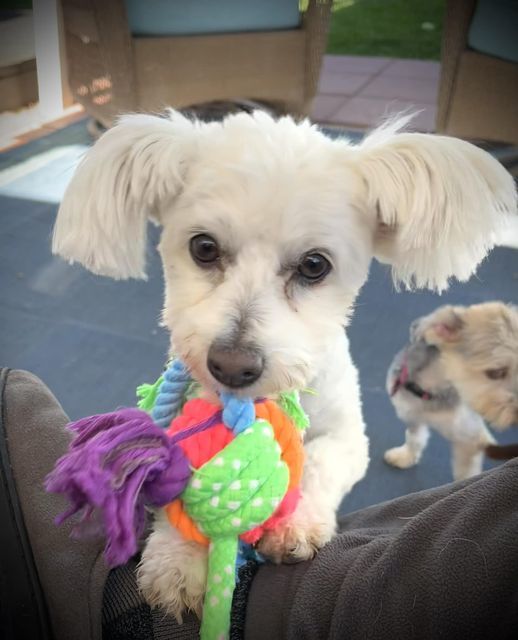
x,y
93,340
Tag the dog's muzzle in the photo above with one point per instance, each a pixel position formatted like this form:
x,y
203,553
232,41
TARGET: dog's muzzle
x,y
402,380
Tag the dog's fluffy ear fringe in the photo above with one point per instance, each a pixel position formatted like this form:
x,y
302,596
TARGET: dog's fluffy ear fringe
x,y
445,325
103,217
439,201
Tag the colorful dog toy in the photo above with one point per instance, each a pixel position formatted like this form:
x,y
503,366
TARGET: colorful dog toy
x,y
221,473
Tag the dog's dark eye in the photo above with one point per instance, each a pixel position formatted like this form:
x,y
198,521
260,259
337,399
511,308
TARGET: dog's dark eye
x,y
313,267
204,250
497,374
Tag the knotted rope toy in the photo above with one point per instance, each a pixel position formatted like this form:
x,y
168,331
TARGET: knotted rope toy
x,y
222,472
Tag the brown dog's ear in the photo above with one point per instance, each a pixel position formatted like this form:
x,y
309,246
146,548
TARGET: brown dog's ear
x,y
444,326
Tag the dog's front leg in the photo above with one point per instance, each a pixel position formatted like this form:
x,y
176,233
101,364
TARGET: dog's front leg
x,y
173,571
337,457
467,460
408,454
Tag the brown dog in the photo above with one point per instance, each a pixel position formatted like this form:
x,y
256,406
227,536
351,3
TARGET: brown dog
x,y
461,365
479,354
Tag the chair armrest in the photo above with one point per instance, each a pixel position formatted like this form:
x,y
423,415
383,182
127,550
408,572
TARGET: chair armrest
x,y
316,23
457,19
100,56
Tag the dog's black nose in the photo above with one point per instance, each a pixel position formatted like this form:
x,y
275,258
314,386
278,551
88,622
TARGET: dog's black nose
x,y
235,368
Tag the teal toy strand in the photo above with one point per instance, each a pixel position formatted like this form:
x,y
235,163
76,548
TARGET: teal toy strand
x,y
171,394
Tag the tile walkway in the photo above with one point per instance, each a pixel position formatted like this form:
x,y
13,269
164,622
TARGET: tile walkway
x,y
358,91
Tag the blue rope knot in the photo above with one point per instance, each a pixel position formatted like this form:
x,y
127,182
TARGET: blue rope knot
x,y
171,394
238,413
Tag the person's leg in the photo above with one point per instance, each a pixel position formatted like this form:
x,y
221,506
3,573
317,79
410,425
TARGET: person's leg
x,y
440,563
127,616
437,564
51,585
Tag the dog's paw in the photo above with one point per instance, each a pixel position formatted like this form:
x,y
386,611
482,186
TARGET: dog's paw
x,y
401,457
296,539
173,572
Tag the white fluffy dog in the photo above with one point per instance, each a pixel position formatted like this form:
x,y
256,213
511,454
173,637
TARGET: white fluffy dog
x,y
268,231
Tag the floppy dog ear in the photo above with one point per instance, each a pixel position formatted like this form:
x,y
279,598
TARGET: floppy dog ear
x,y
444,325
120,183
438,203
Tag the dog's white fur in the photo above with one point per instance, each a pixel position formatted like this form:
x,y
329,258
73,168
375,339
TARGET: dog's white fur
x,y
270,191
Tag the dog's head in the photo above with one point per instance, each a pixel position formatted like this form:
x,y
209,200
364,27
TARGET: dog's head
x,y
479,355
269,227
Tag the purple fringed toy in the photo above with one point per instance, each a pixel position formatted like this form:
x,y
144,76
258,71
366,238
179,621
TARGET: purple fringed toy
x,y
117,462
